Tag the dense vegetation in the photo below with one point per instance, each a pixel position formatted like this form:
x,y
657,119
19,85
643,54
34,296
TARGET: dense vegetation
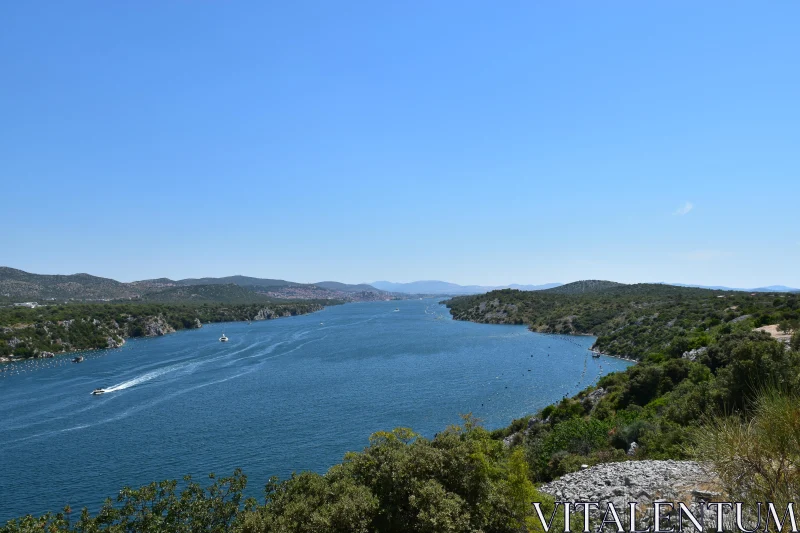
x,y
26,332
659,404
632,320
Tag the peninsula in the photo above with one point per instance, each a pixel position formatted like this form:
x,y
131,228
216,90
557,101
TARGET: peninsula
x,y
45,315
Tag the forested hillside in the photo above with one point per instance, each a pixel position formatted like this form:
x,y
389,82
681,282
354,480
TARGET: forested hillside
x,y
52,329
631,320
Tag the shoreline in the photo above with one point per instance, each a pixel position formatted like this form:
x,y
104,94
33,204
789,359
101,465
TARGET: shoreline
x,y
7,360
621,357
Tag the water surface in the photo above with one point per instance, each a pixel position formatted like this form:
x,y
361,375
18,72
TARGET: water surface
x,y
281,396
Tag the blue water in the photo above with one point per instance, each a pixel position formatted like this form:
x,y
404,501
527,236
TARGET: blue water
x,y
283,395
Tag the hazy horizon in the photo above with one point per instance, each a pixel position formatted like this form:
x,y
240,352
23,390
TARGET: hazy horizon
x,y
425,280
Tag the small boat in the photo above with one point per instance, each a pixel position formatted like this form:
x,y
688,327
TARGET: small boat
x,y
396,309
78,359
223,338
98,392
596,355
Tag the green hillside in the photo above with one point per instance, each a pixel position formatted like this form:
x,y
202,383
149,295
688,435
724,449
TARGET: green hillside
x,y
630,320
26,333
17,285
230,293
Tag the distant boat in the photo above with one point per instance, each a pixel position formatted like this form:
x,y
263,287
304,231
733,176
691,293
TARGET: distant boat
x,y
98,392
396,309
78,359
223,338
596,355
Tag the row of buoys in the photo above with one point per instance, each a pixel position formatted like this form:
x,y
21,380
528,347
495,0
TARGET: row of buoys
x,y
25,366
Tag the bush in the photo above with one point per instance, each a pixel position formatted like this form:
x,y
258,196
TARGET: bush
x,y
757,460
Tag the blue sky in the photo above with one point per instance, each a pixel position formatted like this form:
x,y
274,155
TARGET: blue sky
x,y
474,142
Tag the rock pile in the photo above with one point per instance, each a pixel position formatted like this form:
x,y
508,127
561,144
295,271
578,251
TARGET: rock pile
x,y
644,482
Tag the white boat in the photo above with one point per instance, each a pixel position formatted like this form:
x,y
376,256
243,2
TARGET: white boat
x,y
98,392
396,309
223,338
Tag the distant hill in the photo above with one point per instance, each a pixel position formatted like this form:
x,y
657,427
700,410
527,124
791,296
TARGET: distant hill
x,y
443,287
19,286
344,287
243,281
584,286
771,288
228,293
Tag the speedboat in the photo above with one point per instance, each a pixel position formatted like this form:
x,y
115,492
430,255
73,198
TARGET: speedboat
x,y
396,309
596,355
223,338
78,359
98,392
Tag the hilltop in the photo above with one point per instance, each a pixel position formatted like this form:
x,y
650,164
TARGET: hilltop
x,y
581,287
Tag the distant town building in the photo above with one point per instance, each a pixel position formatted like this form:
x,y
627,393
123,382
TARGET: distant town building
x,y
27,304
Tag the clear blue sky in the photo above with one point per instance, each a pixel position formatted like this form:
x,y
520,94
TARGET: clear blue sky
x,y
474,142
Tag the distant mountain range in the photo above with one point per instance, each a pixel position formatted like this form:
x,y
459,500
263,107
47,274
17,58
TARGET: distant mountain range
x,y
771,288
20,286
443,287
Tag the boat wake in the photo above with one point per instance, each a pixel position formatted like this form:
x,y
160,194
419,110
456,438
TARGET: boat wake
x,y
140,379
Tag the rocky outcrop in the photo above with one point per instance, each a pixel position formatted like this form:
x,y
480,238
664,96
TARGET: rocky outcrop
x,y
644,482
593,397
691,355
157,326
111,342
265,314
